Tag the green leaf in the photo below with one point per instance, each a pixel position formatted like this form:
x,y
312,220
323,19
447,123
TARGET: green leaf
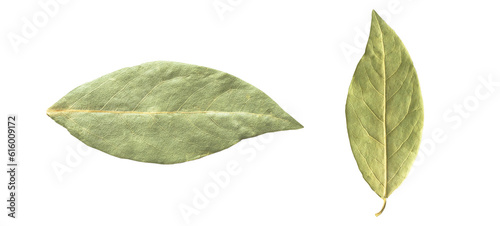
x,y
384,111
167,112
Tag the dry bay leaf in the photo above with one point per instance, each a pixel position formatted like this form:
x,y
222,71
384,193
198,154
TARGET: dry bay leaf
x,y
384,111
167,112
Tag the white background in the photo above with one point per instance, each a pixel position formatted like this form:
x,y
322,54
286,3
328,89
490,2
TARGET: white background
x,y
295,51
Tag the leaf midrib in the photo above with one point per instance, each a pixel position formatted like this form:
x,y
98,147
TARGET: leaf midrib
x,y
385,109
55,111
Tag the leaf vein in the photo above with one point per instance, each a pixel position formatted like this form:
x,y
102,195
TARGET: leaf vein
x,y
366,161
369,135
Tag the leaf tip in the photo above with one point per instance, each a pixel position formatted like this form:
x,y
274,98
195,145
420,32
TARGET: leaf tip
x,y
294,124
51,112
375,15
299,126
48,112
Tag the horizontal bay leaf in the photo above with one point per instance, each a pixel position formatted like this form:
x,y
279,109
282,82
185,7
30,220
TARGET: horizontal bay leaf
x,y
167,112
384,111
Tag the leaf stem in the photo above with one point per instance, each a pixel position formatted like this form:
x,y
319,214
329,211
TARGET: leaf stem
x,y
383,207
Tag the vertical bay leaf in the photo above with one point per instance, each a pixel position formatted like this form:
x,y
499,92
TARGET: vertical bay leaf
x,y
384,111
167,112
